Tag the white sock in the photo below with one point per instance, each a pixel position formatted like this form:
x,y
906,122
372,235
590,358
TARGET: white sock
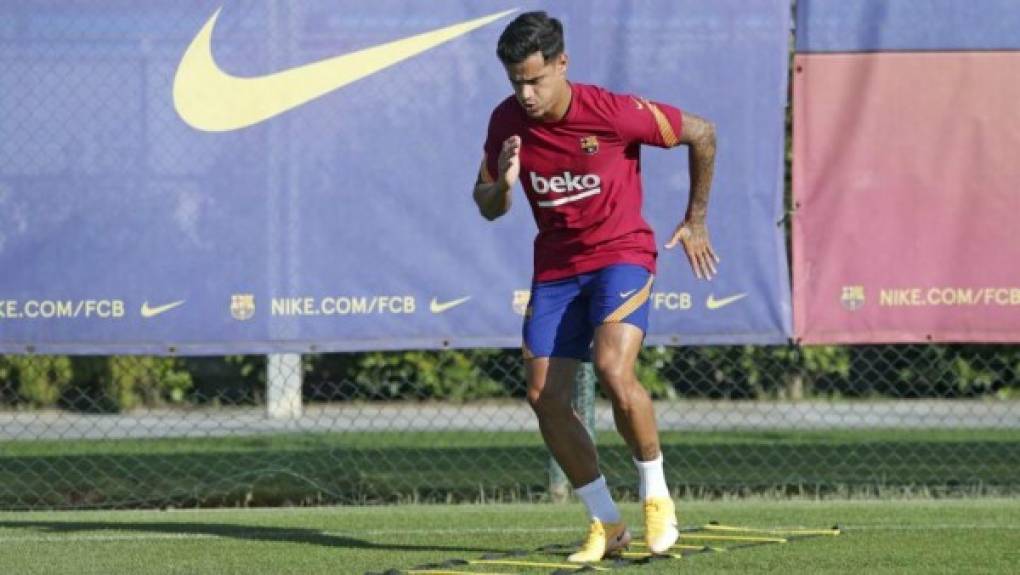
x,y
599,502
653,480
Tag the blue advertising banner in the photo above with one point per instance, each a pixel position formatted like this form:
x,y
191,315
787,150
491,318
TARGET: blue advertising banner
x,y
269,176
900,25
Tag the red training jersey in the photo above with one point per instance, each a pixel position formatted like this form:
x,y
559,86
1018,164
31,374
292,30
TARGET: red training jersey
x,y
582,177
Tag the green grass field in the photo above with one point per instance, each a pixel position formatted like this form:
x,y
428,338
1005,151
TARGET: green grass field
x,y
879,536
317,468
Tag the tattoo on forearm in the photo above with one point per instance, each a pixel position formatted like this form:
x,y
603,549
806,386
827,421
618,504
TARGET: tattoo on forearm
x,y
701,159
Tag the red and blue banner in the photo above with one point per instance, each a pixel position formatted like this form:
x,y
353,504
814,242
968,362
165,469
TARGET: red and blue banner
x,y
906,173
265,176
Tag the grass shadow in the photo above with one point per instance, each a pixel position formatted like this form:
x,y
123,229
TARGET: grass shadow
x,y
231,531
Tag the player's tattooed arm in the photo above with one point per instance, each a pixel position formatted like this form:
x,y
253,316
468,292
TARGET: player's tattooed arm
x,y
699,136
493,196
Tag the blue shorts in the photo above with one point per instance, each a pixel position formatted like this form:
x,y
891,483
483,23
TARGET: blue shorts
x,y
562,315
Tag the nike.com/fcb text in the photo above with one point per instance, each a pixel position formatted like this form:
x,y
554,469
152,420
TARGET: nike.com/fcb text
x,y
344,305
61,309
949,296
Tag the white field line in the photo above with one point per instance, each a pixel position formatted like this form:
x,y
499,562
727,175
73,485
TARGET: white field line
x,y
261,534
457,509
488,508
928,527
102,538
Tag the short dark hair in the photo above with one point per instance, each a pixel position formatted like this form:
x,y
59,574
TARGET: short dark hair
x,y
529,33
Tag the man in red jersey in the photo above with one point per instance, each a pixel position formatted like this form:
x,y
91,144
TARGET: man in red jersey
x,y
576,150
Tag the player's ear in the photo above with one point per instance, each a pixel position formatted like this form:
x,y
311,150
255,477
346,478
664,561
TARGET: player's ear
x,y
561,64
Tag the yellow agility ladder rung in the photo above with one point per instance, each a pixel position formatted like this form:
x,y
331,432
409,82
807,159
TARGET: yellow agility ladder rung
x,y
717,527
536,564
642,555
733,538
688,547
434,572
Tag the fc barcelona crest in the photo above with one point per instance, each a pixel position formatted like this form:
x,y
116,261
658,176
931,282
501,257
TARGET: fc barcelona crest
x,y
520,302
242,306
852,298
590,145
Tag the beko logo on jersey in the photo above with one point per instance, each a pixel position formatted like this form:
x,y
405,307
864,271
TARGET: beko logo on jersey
x,y
578,186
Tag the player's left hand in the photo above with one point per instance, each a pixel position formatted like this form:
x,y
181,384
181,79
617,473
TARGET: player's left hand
x,y
694,237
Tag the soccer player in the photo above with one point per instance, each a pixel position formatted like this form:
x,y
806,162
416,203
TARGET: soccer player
x,y
576,150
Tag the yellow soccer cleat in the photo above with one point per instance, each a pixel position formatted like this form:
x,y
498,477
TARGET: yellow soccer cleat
x,y
603,541
661,530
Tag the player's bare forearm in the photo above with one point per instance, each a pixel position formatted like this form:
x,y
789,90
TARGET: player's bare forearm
x,y
493,195
699,135
493,199
692,233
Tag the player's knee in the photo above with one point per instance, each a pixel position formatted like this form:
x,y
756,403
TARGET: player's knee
x,y
613,374
547,404
621,386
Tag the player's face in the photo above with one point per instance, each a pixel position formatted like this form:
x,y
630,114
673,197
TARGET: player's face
x,y
539,85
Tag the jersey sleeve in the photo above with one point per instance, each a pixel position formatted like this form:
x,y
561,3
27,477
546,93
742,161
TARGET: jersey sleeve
x,y
639,120
490,151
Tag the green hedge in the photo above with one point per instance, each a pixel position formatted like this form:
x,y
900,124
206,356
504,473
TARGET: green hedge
x,y
117,383
92,384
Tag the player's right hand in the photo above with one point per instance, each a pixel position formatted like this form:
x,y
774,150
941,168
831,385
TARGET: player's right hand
x,y
510,162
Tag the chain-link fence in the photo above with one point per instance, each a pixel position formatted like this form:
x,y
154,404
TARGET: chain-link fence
x,y
381,427
453,426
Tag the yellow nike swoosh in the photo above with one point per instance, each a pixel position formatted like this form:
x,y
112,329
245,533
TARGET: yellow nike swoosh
x,y
148,312
436,307
209,99
713,303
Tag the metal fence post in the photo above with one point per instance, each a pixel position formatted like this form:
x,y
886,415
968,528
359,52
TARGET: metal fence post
x,y
283,386
584,405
